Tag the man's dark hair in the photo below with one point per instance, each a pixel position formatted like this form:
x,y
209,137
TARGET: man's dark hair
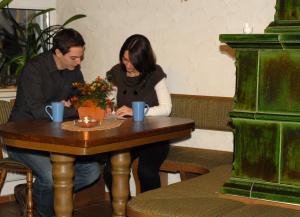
x,y
141,54
65,39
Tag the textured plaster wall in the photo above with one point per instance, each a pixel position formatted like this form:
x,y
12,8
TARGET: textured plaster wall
x,y
33,4
184,35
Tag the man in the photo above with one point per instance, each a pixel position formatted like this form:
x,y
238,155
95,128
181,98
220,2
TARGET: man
x,y
47,78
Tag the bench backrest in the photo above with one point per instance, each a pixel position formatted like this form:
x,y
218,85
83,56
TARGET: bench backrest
x,y
208,112
5,110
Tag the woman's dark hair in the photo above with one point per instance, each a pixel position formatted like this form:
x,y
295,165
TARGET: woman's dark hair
x,y
65,39
141,54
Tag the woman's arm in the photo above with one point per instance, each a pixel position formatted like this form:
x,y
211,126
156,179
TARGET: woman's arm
x,y
164,100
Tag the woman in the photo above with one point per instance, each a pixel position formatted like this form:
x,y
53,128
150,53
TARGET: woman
x,y
138,78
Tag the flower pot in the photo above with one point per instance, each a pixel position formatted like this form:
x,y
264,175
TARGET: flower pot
x,y
96,113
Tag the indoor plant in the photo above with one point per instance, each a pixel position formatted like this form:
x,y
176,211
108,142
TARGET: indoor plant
x,y
20,43
92,98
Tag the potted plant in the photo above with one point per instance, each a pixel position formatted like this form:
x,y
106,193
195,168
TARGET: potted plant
x,y
24,42
92,99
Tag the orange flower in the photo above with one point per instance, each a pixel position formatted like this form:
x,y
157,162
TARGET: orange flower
x,y
97,92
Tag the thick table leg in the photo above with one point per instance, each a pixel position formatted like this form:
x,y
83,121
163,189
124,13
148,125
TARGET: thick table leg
x,y
120,187
63,172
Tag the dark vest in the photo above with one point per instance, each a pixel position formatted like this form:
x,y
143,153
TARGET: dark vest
x,y
133,88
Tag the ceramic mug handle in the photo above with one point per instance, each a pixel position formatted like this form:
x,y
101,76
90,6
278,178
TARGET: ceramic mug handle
x,y
147,109
48,113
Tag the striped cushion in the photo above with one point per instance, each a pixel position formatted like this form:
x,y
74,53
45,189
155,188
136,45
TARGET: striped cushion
x,y
5,110
208,112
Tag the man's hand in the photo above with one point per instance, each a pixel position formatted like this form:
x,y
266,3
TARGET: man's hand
x,y
66,103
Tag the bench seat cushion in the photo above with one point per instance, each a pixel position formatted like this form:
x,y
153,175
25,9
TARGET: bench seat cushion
x,y
207,207
184,207
199,197
188,198
202,186
198,157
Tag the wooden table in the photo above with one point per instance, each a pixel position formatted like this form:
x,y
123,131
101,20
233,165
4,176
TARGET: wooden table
x,y
64,146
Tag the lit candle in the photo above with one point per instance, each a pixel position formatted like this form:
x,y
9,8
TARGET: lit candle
x,y
86,119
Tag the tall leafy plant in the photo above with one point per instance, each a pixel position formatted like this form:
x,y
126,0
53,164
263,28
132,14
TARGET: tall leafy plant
x,y
4,3
23,42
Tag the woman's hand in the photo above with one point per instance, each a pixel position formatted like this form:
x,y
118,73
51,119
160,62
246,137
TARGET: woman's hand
x,y
108,110
123,111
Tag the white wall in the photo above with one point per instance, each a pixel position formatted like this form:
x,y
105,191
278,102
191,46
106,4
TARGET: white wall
x,y
33,4
184,35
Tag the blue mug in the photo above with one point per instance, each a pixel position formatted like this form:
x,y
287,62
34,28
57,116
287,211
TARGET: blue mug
x,y
139,111
57,109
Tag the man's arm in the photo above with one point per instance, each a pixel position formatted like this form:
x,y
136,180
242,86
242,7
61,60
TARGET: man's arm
x,y
30,85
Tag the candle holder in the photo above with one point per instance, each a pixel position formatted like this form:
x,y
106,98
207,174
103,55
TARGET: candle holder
x,y
87,122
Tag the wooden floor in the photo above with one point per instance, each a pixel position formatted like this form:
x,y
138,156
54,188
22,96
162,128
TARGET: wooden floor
x,y
103,209
90,202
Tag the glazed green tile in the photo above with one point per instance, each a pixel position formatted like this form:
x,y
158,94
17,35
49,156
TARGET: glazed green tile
x,y
287,10
236,187
279,81
287,17
246,80
261,190
277,117
290,173
256,149
239,114
276,192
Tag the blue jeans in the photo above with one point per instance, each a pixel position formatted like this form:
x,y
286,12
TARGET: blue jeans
x,y
87,171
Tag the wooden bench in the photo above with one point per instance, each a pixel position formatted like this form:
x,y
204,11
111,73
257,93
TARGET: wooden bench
x,y
200,196
208,112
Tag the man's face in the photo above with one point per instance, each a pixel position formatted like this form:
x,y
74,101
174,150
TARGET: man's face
x,y
70,60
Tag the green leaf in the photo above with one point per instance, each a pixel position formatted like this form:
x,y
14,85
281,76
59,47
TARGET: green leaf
x,y
40,41
75,17
4,3
9,16
20,60
27,41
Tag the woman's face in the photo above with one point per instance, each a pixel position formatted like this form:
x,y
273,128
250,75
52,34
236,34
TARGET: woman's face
x,y
126,61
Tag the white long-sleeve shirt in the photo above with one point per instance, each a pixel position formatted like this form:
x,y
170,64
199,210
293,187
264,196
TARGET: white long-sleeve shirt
x,y
164,100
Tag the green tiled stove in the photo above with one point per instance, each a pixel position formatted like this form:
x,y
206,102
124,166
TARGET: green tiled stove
x,y
266,115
